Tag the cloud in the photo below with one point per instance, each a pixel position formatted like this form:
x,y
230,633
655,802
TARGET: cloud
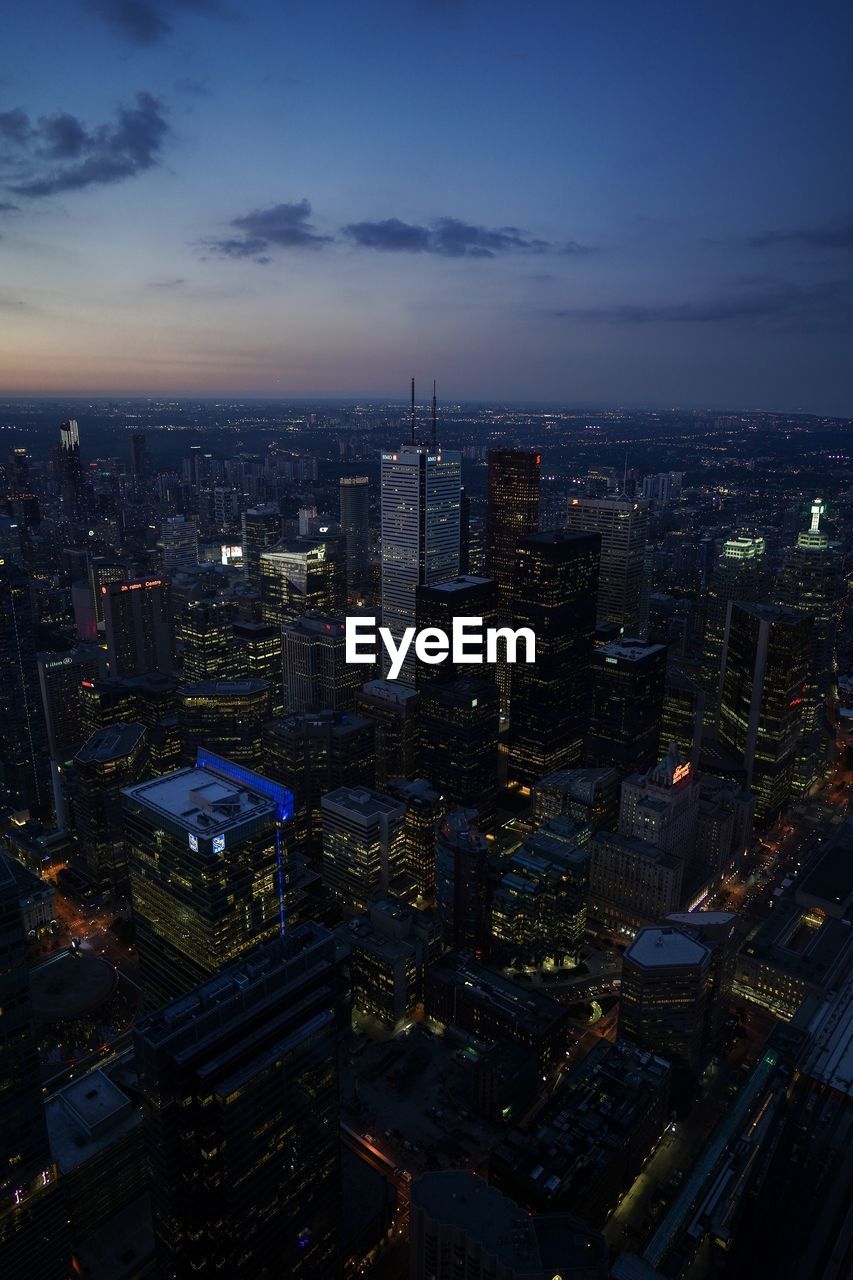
x,y
450,237
146,22
835,235
175,283
574,250
281,226
58,153
827,305
6,206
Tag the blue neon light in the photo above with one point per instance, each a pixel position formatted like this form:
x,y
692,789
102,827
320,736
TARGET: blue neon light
x,y
281,795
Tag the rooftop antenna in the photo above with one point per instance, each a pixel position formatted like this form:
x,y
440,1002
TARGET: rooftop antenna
x,y
413,411
433,414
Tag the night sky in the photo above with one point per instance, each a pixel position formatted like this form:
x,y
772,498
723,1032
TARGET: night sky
x,y
628,202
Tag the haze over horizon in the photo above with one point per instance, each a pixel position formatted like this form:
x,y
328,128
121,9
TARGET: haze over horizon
x,y
564,207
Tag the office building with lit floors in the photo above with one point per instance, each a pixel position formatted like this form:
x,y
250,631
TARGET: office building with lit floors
x,y
317,675
439,604
762,687
261,530
179,537
459,749
512,514
207,640
240,1105
424,807
739,574
362,844
256,655
627,680
556,599
305,574
622,524
462,1227
207,875
666,987
112,759
34,1242
139,626
226,716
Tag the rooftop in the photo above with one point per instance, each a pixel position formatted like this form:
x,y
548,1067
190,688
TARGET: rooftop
x,y
363,801
829,1058
85,1117
629,650
665,948
112,743
201,801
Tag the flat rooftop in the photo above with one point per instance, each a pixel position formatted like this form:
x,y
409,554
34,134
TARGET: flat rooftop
x,y
454,585
112,743
200,801
666,948
829,1058
87,1116
363,801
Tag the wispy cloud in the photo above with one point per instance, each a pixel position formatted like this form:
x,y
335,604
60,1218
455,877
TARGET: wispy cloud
x,y
281,226
59,153
827,305
147,22
450,237
831,235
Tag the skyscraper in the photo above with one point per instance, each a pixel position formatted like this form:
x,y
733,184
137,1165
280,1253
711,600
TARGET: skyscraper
x,y
464,879
666,987
459,722
363,844
240,1096
420,530
180,544
226,716
627,680
113,758
556,593
24,767
512,514
439,604
261,530
70,470
208,640
303,575
355,523
139,626
622,524
394,709
762,689
316,673
739,574
256,655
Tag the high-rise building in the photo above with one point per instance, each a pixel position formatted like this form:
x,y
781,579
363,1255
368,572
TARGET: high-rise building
x,y
739,574
261,531
138,454
207,640
103,571
303,575
33,1225
394,710
180,544
111,759
512,514
632,882
539,906
682,715
316,673
627,680
355,523
226,716
256,655
240,1096
420,530
207,874
60,677
423,809
556,593
363,844
622,524
438,605
666,987
464,881
459,721
664,487
139,626
70,471
762,689
24,766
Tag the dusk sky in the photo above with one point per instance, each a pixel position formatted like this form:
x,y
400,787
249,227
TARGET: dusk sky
x,y
590,203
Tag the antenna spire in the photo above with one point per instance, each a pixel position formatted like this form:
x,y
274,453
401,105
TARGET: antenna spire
x,y
413,411
433,414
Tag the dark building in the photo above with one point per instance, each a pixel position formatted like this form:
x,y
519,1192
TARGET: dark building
x,y
112,759
60,677
226,716
355,525
33,1228
240,1094
666,990
423,809
70,471
261,530
138,454
460,720
556,599
102,571
739,574
139,626
439,604
24,766
627,681
464,881
394,710
682,715
317,676
513,514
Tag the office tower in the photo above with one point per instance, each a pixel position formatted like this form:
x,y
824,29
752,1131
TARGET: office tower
x,y
112,759
256,655
556,590
739,574
70,471
139,626
627,680
138,454
391,949
539,906
208,641
306,515
206,873
811,581
355,523
439,604
394,710
664,487
261,530
682,715
180,544
718,931
459,1225
317,675
622,524
423,809
362,844
60,677
240,1102
464,880
103,571
512,514
762,686
459,721
420,530
33,1228
305,575
24,767
226,716
317,753
666,986
589,796
464,532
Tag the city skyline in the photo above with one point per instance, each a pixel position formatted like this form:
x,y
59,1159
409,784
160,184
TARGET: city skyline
x,y
581,208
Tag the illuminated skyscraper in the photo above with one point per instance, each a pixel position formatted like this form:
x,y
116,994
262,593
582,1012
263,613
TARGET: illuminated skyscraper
x,y
226,716
666,987
363,844
622,524
739,574
423,809
762,689
556,593
240,1101
317,675
355,523
207,872
256,655
513,514
139,626
539,907
627,680
180,544
208,641
303,575
261,530
70,470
